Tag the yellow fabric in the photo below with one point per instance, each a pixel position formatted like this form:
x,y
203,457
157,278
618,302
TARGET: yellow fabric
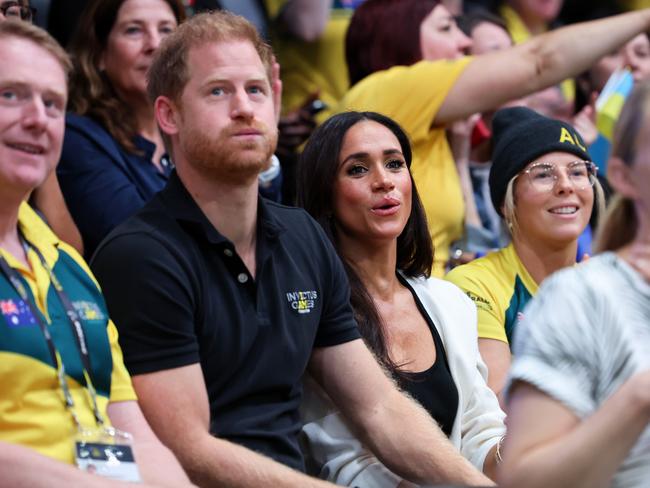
x,y
520,33
637,4
412,95
490,282
312,67
32,412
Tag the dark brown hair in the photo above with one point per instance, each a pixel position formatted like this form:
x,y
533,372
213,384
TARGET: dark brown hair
x,y
317,171
91,92
383,34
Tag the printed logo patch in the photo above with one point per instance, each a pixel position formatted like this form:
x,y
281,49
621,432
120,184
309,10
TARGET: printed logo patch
x,y
88,310
302,301
480,302
17,313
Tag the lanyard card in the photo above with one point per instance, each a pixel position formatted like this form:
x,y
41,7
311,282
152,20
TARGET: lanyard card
x,y
106,452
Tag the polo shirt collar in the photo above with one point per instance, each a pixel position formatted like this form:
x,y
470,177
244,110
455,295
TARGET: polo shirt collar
x,y
182,207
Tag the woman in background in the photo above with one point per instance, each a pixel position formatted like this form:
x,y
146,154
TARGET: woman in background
x,y
544,184
579,401
113,158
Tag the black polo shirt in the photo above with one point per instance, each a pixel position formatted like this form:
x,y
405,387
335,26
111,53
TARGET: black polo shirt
x,y
179,295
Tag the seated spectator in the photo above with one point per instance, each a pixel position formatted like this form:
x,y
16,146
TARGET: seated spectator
x,y
113,158
391,73
355,181
64,383
544,185
227,298
46,199
579,397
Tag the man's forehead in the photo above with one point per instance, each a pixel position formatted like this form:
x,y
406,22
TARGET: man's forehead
x,y
231,58
25,62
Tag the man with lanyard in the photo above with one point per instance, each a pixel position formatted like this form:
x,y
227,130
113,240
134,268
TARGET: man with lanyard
x,y
224,299
65,396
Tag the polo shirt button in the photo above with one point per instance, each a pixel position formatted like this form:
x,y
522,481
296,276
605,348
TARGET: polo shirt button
x,y
242,278
227,252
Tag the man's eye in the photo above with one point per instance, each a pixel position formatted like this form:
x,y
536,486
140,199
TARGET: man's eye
x,y
256,90
217,91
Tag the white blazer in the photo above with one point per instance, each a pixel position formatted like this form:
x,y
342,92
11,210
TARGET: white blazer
x,y
333,453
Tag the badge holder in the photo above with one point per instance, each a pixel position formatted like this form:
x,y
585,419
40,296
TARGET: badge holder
x,y
107,452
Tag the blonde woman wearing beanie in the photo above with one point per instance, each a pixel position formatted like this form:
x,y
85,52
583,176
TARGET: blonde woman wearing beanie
x,y
579,400
544,185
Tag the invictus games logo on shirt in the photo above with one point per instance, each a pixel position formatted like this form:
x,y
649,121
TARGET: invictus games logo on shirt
x,y
302,301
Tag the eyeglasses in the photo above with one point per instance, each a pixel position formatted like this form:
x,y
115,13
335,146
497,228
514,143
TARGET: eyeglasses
x,y
544,176
14,10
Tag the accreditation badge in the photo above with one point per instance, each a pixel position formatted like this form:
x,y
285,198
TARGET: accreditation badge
x,y
107,452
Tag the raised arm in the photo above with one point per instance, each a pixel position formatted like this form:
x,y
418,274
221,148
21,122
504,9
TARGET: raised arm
x,y
176,404
493,79
394,427
550,446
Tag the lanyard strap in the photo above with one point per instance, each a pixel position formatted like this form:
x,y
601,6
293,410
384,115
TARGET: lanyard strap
x,y
75,322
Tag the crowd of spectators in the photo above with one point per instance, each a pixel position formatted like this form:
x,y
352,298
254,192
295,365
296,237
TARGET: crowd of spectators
x,y
371,243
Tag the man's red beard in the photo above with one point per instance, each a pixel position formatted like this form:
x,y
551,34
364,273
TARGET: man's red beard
x,y
226,158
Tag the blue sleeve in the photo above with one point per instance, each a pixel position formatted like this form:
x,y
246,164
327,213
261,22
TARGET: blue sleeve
x,y
97,189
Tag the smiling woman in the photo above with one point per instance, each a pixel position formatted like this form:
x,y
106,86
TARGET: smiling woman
x,y
113,158
355,180
544,185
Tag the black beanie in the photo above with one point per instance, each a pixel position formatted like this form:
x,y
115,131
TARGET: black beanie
x,y
521,135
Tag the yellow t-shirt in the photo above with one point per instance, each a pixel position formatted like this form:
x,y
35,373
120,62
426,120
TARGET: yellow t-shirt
x,y
310,67
32,412
412,95
500,286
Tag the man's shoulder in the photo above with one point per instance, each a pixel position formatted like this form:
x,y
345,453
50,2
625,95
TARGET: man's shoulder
x,y
153,226
295,220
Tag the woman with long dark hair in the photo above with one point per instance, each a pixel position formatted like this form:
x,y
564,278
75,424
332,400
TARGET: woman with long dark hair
x,y
113,158
354,179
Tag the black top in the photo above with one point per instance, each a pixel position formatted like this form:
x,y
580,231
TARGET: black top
x,y
179,295
434,388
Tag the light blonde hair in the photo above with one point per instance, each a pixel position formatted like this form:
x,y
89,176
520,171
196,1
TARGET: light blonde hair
x,y
32,33
621,223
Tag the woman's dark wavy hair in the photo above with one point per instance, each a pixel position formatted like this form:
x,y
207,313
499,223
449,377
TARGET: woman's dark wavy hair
x,y
91,92
317,170
383,34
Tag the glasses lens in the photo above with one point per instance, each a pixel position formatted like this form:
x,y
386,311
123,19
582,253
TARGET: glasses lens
x,y
542,176
581,173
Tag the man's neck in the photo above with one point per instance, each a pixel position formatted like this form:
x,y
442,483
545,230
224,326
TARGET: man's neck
x,y
542,260
230,207
9,239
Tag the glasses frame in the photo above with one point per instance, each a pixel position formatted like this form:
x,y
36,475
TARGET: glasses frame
x,y
28,14
592,170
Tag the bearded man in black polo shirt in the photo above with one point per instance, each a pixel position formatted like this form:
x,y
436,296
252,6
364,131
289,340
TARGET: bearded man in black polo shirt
x,y
223,300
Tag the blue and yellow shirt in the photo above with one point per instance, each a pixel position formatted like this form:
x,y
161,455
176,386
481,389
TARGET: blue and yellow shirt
x,y
500,286
32,412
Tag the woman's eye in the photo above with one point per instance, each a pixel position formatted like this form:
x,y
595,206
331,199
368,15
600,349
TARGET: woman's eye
x,y
395,164
132,30
356,170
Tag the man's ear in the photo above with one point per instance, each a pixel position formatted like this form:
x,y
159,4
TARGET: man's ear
x,y
167,115
621,179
